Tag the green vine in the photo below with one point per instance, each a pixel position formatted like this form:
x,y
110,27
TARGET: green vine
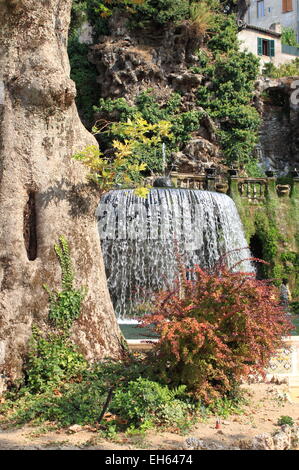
x,y
65,305
53,358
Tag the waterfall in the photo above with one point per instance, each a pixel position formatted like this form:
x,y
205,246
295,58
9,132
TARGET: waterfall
x,y
142,239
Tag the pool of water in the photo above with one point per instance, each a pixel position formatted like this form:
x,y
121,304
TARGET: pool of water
x,y
295,321
131,331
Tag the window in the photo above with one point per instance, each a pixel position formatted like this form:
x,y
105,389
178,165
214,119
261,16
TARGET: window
x,y
287,5
260,8
266,47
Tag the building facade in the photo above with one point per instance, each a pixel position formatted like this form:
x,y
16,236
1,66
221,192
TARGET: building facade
x,y
265,13
266,44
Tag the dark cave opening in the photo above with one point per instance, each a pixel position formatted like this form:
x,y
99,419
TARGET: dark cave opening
x,y
256,248
29,227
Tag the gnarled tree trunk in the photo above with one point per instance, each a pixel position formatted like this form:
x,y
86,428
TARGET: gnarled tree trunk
x,y
43,193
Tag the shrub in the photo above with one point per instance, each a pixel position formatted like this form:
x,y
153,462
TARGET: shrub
x,y
51,361
288,37
138,403
214,330
156,117
201,18
295,307
285,70
285,420
52,357
224,34
146,403
84,75
228,102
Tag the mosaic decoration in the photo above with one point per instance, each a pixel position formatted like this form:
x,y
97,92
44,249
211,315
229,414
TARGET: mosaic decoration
x,y
281,363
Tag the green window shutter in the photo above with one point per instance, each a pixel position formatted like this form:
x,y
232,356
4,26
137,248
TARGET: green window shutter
x,y
272,48
259,46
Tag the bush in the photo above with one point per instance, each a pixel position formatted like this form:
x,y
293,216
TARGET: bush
x,y
84,75
288,37
147,108
295,307
228,102
138,403
285,70
51,361
285,420
144,403
214,330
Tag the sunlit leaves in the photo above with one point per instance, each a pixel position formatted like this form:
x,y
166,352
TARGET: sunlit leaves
x,y
215,329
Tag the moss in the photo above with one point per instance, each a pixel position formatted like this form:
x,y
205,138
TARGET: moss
x,y
274,221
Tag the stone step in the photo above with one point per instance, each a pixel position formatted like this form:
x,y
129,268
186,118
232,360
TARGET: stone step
x,y
293,381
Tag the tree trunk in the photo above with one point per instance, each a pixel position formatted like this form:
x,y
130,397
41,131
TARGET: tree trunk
x,y
43,193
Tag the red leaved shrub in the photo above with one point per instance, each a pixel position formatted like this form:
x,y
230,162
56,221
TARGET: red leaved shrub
x,y
215,329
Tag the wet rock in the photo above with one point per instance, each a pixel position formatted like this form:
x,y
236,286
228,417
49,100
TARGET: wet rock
x,y
163,182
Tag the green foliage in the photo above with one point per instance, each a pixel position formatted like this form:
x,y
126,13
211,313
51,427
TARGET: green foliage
x,y
146,403
253,169
107,172
84,75
159,12
295,307
94,11
228,98
52,357
223,34
224,407
228,102
282,263
266,230
78,14
285,70
288,37
215,329
285,420
136,144
147,108
65,306
138,403
51,361
232,74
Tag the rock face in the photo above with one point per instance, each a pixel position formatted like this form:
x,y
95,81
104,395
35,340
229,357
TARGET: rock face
x,y
129,63
43,193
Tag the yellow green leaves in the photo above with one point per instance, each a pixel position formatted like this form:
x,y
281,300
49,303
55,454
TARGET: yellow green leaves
x,y
136,135
139,131
141,192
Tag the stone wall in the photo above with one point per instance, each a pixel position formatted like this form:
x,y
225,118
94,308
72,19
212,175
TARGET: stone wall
x,y
249,42
279,133
269,211
273,14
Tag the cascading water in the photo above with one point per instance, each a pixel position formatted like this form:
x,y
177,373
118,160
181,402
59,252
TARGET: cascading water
x,y
143,238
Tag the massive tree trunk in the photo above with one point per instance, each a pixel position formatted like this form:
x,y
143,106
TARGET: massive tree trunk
x,y
43,193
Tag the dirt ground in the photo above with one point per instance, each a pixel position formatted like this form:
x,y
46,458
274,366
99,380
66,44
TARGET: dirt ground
x,y
267,402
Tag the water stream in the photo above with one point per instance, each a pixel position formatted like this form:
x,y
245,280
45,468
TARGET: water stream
x,y
143,238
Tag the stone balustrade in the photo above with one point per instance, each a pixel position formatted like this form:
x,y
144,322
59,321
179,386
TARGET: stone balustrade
x,y
254,190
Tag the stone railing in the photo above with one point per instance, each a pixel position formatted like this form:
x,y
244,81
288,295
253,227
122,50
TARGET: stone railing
x,y
254,190
189,180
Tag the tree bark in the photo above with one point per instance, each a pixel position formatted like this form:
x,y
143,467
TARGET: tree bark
x,y
43,193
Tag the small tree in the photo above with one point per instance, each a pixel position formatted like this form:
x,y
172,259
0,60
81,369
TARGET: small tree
x,y
215,329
